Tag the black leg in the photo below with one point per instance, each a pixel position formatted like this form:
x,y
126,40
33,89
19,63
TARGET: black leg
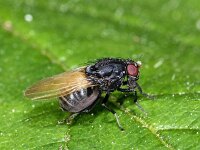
x,y
134,99
111,110
125,82
124,90
137,103
141,91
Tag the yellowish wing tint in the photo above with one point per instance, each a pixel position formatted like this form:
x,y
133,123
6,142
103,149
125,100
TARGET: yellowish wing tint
x,y
59,85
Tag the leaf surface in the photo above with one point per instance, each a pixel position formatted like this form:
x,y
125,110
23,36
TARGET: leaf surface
x,y
40,39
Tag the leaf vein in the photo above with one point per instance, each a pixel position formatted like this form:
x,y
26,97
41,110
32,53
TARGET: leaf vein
x,y
153,130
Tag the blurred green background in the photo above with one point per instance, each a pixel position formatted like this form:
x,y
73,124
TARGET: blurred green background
x,y
43,38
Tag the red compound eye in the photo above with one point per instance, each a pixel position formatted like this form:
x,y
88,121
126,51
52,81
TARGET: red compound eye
x,y
132,70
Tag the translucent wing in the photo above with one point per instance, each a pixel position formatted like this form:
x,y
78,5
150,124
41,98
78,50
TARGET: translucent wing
x,y
59,85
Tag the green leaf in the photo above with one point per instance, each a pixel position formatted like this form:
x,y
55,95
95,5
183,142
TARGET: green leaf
x,y
40,39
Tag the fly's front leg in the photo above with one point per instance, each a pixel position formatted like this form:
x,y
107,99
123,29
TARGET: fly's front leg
x,y
135,100
111,110
141,91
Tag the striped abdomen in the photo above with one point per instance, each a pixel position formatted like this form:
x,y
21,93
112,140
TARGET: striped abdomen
x,y
79,100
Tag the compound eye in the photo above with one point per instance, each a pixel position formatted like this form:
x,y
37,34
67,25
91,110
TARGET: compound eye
x,y
132,70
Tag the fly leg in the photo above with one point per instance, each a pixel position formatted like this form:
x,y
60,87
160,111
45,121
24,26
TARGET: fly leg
x,y
141,91
69,119
111,110
135,99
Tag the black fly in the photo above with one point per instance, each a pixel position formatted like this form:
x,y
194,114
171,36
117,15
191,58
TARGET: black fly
x,y
79,90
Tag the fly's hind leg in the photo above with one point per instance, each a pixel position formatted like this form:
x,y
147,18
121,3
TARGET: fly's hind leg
x,y
69,119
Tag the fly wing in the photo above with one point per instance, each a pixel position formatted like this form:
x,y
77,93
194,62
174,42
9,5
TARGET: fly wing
x,y
59,85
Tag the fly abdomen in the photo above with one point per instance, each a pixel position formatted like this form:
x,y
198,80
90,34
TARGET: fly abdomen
x,y
79,100
77,95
